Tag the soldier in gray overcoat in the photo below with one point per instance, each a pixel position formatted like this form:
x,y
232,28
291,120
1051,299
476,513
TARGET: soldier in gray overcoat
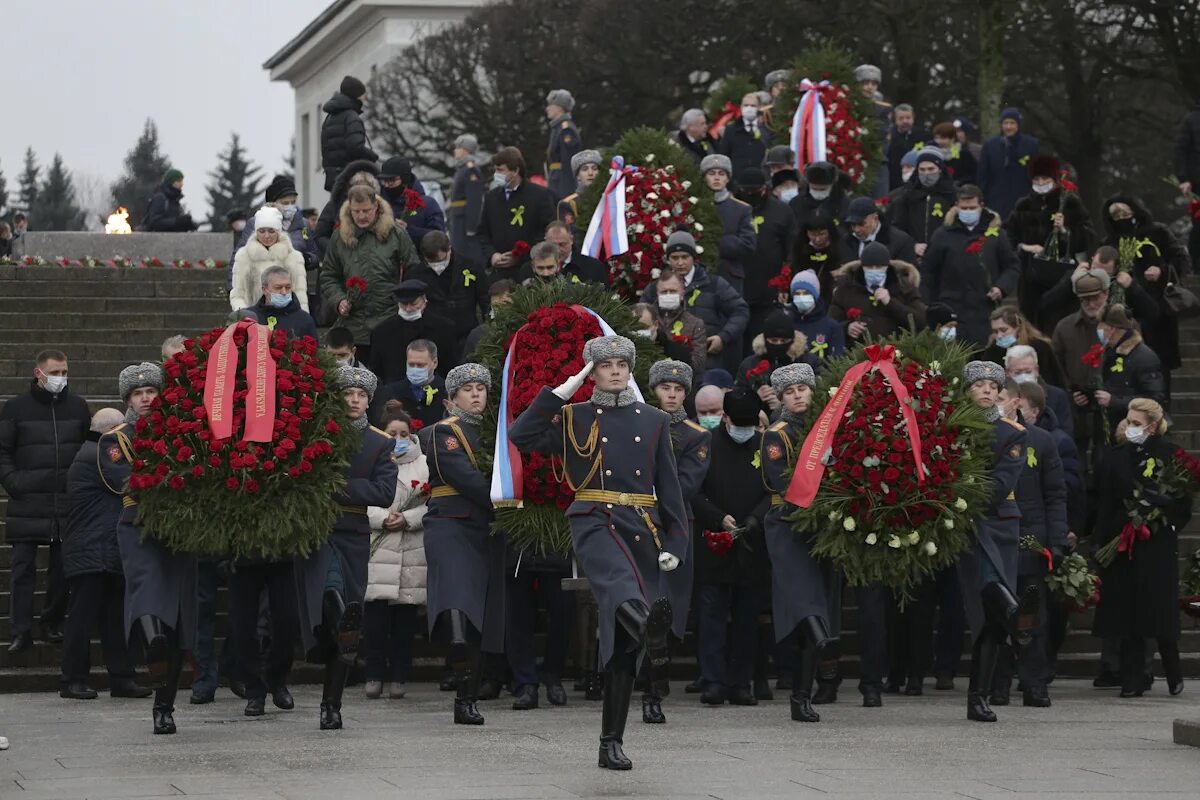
x,y
466,201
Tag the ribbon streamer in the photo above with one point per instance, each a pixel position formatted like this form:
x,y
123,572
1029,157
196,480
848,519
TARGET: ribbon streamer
x,y
220,383
810,466
808,125
1130,535
607,236
728,114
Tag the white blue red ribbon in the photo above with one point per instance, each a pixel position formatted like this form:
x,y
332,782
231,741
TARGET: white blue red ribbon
x,y
606,234
808,125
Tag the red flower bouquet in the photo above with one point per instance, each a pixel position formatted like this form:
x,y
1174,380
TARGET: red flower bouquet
x,y
1094,357
853,313
1159,485
782,283
975,245
759,374
413,202
720,542
356,287
520,250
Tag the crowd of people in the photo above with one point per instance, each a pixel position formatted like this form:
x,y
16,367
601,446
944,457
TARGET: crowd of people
x,y
1076,335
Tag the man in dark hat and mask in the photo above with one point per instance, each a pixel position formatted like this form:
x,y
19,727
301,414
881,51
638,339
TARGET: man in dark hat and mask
x,y
415,211
390,340
824,195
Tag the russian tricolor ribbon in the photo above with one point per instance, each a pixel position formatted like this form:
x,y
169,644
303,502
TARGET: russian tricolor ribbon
x,y
810,466
606,234
220,382
507,482
808,125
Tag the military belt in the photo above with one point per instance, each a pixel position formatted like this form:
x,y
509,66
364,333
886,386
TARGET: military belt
x,y
458,203
352,509
556,165
778,500
616,498
443,491
128,502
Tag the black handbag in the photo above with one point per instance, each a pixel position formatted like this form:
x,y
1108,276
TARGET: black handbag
x,y
1047,270
1181,301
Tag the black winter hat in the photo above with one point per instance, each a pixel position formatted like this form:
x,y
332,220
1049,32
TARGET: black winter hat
x,y
778,325
397,167
280,186
821,173
783,176
352,87
939,314
876,255
751,178
742,406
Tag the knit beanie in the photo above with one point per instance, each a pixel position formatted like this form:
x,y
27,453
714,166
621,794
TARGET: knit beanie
x,y
807,280
172,176
1011,113
680,240
352,87
268,217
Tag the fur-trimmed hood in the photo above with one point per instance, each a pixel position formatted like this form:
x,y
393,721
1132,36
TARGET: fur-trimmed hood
x,y
798,347
994,223
1145,220
1129,343
384,223
904,270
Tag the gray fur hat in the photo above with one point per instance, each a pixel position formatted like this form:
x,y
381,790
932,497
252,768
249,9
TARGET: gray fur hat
x,y
561,98
670,371
467,142
983,371
358,378
463,374
716,161
584,157
605,347
790,375
775,76
135,376
868,72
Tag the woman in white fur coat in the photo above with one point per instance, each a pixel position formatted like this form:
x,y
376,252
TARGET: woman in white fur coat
x,y
268,247
396,574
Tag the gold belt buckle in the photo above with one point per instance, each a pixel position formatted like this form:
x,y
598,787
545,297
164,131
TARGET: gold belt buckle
x,y
623,498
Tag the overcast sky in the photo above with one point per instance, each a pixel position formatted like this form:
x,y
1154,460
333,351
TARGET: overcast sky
x,y
81,77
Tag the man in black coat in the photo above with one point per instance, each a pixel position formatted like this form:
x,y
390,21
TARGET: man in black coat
x,y
390,340
693,136
92,566
775,234
921,208
901,138
422,391
730,582
575,266
164,213
825,196
278,308
343,133
746,139
40,433
514,210
455,289
864,224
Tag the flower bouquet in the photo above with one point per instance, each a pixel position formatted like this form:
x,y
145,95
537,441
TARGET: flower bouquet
x,y
894,471
1189,587
356,287
1075,583
220,462
1161,485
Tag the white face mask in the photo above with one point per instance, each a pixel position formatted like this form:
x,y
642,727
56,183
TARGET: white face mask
x,y
411,316
669,302
56,383
345,362
644,332
787,195
947,334
749,113
821,194
804,302
1135,434
439,266
1043,188
1025,377
740,433
498,181
905,174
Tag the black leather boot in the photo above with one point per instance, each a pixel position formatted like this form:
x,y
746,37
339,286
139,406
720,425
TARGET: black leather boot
x,y
828,679
164,697
156,639
1169,653
983,670
336,673
806,668
1017,618
1133,665
618,690
343,623
465,710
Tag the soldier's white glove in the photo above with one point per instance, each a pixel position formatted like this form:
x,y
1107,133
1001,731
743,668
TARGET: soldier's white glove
x,y
667,562
571,385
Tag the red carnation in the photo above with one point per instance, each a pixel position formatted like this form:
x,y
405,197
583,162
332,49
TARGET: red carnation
x,y
976,245
1094,357
251,485
413,202
197,471
520,249
232,484
853,313
332,427
176,482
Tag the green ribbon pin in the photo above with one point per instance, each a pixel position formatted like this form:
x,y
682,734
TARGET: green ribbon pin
x,y
1119,364
1148,472
937,211
468,276
429,393
756,221
518,215
695,295
756,462
271,323
677,328
1030,457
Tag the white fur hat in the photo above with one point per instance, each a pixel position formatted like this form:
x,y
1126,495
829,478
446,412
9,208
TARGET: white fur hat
x,y
268,217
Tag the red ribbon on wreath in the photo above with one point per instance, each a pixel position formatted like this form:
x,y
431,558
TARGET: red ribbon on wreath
x,y
810,467
1130,535
729,113
220,381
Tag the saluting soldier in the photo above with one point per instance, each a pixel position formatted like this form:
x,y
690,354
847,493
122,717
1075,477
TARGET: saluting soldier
x,y
627,517
988,571
160,584
332,581
466,200
465,577
585,166
564,142
798,582
671,381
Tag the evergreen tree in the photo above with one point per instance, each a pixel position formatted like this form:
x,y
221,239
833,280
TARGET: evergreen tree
x,y
29,179
3,193
235,184
144,170
55,208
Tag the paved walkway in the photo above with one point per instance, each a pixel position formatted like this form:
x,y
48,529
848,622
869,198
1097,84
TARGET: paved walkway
x,y
1089,745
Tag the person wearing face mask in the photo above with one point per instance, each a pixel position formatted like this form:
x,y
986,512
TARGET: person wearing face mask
x,y
785,184
778,345
865,223
339,342
941,319
746,140
959,159
1023,363
693,136
825,195
268,247
1010,329
731,586
1002,172
396,573
969,265
1130,368
421,392
877,294
774,229
278,306
1140,597
585,166
514,210
40,433
921,209
678,324
1159,258
737,241
456,290
414,210
825,337
414,320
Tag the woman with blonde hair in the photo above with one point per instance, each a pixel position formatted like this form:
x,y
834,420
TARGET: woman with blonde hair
x,y
1011,328
1139,597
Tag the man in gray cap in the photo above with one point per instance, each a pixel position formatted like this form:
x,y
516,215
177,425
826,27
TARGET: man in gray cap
x,y
746,140
466,200
332,580
564,142
779,157
988,571
628,519
585,166
693,135
737,241
465,578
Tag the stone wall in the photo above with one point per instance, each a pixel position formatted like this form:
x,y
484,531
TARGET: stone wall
x,y
166,246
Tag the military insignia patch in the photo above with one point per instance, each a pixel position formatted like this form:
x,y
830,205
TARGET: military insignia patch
x,y
473,178
1016,451
114,454
567,139
774,452
451,443
702,453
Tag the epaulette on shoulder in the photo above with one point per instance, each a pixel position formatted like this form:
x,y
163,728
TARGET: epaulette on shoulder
x,y
740,202
470,165
1014,423
696,426
778,426
381,433
566,123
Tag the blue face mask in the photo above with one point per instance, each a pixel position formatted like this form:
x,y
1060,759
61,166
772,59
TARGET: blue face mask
x,y
709,421
875,277
1101,336
401,446
969,217
740,433
947,334
281,300
804,303
1006,341
417,376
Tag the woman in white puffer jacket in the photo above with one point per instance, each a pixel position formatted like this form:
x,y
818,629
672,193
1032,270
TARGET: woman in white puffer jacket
x,y
396,574
267,247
